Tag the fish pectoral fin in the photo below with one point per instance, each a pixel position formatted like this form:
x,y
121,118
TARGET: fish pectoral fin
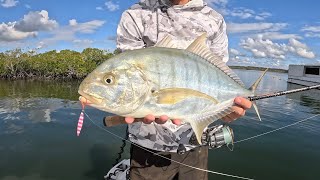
x,y
175,95
209,115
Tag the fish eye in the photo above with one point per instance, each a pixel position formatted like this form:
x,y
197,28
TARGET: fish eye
x,y
109,79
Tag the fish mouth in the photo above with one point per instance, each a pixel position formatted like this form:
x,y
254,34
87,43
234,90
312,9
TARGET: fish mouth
x,y
89,99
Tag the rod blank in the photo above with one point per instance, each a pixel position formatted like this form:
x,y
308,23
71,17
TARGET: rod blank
x,y
281,93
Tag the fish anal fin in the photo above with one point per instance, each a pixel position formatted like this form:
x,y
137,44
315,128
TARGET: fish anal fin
x,y
175,95
209,115
199,126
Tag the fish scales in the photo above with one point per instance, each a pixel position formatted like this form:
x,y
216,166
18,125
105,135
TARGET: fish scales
x,y
221,87
191,71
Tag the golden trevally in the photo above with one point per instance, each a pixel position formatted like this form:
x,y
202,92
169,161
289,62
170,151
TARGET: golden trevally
x,y
190,84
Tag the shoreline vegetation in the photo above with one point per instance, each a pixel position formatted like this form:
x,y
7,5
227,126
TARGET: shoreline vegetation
x,y
65,65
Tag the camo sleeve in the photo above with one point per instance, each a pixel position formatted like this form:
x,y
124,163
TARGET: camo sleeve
x,y
219,41
128,33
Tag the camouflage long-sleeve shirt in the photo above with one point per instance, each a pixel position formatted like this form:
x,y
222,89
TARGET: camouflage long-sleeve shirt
x,y
146,23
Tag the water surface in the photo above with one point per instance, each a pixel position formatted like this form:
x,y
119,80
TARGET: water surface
x,y
38,134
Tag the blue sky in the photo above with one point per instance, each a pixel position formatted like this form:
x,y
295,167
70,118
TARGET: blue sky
x,y
271,33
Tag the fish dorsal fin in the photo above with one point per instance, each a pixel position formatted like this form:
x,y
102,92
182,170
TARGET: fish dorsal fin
x,y
166,42
200,48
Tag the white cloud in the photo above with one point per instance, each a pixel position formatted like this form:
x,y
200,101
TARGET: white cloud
x,y
234,52
297,44
311,31
8,3
99,8
265,48
69,33
253,27
29,26
241,12
83,43
109,5
86,27
300,49
9,33
40,45
277,36
311,28
73,22
310,34
36,21
222,3
244,13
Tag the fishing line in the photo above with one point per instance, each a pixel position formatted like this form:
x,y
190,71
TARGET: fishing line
x,y
205,170
246,139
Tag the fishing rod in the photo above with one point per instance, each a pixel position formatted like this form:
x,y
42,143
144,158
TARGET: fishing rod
x,y
281,93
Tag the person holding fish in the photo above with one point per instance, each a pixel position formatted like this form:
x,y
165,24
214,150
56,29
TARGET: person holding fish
x,y
144,25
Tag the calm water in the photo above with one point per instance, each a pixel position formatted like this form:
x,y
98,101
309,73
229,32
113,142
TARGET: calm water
x,y
38,126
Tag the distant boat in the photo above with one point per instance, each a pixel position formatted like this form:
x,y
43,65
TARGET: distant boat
x,y
306,75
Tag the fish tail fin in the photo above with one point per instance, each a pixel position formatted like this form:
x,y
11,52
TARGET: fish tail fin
x,y
199,126
255,84
253,89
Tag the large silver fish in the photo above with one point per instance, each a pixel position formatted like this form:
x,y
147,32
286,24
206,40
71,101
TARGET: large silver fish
x,y
192,84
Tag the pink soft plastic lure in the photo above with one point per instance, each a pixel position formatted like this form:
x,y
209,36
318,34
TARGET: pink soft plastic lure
x,y
80,121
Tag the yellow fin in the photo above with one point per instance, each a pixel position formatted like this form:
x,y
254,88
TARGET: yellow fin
x,y
174,95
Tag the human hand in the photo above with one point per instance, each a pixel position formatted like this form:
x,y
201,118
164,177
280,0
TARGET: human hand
x,y
117,120
241,105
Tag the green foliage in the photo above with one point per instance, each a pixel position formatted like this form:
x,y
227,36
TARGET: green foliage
x,y
16,64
